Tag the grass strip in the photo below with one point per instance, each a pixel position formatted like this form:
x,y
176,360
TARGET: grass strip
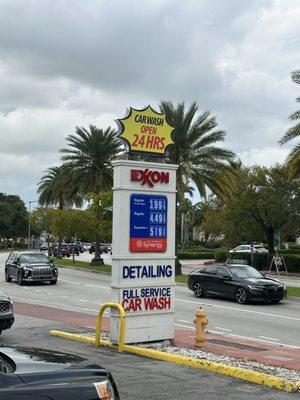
x,y
82,264
293,291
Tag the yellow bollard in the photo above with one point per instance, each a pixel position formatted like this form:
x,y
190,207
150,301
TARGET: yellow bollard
x,y
200,321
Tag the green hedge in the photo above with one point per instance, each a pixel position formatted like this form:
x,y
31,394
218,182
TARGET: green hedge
x,y
220,256
263,261
189,255
290,251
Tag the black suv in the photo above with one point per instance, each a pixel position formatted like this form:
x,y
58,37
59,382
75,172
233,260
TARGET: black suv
x,y
26,267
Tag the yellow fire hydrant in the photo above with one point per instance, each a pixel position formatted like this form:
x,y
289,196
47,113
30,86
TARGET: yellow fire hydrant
x,y
200,321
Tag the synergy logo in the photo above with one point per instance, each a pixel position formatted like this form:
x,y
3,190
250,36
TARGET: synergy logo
x,y
149,177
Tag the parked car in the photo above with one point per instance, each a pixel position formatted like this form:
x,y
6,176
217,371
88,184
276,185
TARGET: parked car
x,y
104,248
236,261
240,282
38,374
26,267
3,246
246,248
64,252
76,249
86,246
6,312
44,246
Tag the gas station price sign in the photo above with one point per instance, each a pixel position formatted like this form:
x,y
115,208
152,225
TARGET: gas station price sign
x,y
148,223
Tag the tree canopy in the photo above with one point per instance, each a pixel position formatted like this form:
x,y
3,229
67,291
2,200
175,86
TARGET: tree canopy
x,y
265,202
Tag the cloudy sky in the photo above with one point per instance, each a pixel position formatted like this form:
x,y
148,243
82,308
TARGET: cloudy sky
x,y
65,63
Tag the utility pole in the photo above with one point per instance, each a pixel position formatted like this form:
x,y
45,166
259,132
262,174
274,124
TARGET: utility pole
x,y
29,234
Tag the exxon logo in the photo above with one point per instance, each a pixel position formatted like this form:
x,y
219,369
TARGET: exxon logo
x,y
148,177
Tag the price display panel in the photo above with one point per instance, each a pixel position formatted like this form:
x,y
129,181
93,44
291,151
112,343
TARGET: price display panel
x,y
148,223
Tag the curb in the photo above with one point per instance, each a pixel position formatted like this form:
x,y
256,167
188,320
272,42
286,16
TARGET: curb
x,y
270,381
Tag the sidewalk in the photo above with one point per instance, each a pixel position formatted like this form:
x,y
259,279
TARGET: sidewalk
x,y
266,353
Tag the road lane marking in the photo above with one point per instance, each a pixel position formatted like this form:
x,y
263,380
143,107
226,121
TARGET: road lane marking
x,y
37,290
83,301
25,300
244,310
85,284
268,338
223,329
183,320
185,326
50,294
65,297
263,340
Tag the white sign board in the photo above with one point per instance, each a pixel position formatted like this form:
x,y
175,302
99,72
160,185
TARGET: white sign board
x,y
143,258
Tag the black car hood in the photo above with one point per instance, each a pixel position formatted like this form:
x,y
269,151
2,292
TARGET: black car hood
x,y
27,359
32,265
263,282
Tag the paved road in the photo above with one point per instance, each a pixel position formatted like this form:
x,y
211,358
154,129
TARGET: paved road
x,y
85,291
141,378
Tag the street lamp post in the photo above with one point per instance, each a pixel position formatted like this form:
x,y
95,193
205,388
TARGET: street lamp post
x,y
29,234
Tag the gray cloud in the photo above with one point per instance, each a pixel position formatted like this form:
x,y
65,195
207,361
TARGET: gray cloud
x,y
68,63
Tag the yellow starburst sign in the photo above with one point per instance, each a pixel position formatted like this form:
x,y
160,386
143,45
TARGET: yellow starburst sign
x,y
145,131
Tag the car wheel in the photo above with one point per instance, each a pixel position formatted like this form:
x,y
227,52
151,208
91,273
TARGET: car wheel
x,y
0,332
19,278
241,295
198,290
7,277
53,282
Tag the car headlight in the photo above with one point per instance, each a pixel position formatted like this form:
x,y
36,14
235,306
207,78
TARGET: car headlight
x,y
105,390
284,287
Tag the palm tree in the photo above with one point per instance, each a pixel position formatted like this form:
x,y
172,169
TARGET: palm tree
x,y
55,190
200,161
293,159
89,155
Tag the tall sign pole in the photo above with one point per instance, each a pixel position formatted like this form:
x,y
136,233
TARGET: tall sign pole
x,y
143,259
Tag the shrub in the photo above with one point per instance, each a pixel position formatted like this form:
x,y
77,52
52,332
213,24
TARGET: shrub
x,y
293,245
209,255
220,256
263,261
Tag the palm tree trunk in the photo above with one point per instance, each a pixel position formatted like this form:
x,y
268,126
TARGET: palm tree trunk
x,y
72,248
97,260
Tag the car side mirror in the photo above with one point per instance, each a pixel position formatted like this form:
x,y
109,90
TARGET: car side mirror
x,y
51,260
227,278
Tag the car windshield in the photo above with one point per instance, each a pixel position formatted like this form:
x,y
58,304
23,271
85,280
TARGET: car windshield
x,y
244,272
34,258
